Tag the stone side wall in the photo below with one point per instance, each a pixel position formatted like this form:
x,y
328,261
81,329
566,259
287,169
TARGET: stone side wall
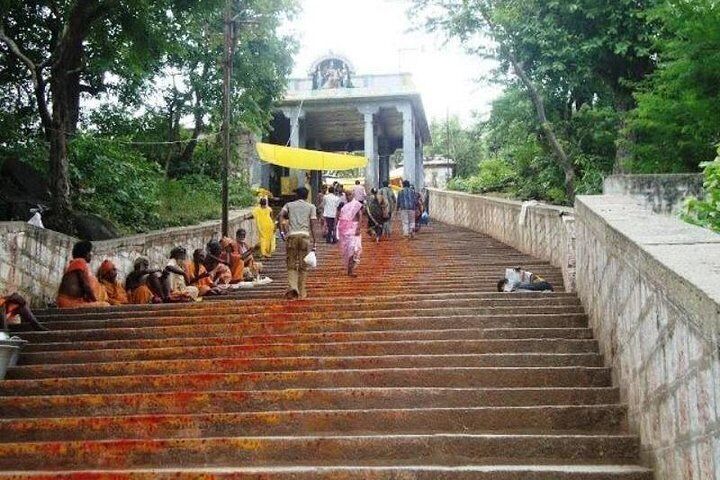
x,y
662,193
651,286
546,232
32,259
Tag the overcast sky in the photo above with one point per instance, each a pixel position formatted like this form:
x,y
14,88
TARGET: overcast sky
x,y
375,36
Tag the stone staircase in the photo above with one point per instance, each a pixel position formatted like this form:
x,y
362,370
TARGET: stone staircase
x,y
416,369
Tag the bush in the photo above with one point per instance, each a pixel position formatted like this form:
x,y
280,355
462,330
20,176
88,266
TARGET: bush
x,y
495,175
706,212
116,182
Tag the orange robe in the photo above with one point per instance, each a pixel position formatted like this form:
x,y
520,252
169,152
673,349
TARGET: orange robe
x,y
142,295
116,294
66,301
205,284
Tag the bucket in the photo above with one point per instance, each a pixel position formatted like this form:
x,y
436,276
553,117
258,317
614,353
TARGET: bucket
x,y
15,342
6,353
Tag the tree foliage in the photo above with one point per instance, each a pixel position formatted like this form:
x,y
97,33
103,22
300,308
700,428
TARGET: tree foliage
x,y
622,86
109,85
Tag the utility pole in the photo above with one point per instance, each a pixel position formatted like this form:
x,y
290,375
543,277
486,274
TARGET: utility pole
x,y
227,77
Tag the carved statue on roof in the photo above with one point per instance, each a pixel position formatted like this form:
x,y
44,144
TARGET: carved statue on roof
x,y
331,73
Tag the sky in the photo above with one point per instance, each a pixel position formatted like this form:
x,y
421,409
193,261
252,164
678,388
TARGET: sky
x,y
376,37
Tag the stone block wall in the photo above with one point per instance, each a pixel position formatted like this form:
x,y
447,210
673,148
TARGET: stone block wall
x,y
663,193
544,231
32,259
651,287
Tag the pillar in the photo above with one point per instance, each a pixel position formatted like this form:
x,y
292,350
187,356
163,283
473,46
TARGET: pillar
x,y
370,146
420,166
409,159
296,140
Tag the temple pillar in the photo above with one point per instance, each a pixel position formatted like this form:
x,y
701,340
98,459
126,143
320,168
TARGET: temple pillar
x,y
420,166
370,145
296,139
409,159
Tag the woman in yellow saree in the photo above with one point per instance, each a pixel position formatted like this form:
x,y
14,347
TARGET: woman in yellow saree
x,y
266,228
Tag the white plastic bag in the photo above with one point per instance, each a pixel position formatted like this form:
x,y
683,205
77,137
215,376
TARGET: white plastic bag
x,y
311,259
36,220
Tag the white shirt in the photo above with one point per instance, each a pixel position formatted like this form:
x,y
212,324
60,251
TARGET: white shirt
x,y
330,205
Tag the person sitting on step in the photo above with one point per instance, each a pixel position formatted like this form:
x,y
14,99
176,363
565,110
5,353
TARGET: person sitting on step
x,y
216,265
78,287
244,249
176,281
143,284
107,275
13,309
200,277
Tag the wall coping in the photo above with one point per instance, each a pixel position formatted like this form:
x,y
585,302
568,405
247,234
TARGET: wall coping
x,y
136,239
550,209
684,258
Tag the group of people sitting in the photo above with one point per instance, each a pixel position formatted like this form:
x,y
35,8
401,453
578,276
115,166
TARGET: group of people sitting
x,y
210,272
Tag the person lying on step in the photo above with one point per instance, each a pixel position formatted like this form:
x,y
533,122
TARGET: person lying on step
x,y
519,280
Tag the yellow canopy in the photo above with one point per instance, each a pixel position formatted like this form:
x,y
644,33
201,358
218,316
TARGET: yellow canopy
x,y
302,159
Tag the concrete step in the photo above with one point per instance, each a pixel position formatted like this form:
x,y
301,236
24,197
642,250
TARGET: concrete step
x,y
236,365
357,472
419,312
218,401
390,377
88,339
545,419
417,450
170,349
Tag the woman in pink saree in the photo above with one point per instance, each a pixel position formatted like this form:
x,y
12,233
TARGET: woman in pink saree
x,y
348,226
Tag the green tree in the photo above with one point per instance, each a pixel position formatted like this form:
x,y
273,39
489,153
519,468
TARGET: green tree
x,y
453,141
61,50
677,121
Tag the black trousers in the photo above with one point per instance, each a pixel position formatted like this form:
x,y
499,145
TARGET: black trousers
x,y
331,236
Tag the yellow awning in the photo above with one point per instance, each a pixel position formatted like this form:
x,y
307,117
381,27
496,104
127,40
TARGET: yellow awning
x,y
302,159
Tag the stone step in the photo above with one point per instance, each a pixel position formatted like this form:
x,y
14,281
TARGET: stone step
x,y
527,420
186,402
269,316
356,472
143,350
260,364
223,305
335,336
210,333
396,377
433,449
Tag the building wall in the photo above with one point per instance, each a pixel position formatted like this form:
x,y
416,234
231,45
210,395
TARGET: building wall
x,y
661,193
32,260
437,176
651,287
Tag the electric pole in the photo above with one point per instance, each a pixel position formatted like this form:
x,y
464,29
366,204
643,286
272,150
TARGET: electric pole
x,y
229,53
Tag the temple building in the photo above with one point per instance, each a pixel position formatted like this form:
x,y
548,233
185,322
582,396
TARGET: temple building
x,y
335,110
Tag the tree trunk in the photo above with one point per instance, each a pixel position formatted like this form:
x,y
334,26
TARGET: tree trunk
x,y
537,100
64,89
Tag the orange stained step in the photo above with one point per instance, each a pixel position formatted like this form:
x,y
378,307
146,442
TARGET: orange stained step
x,y
415,369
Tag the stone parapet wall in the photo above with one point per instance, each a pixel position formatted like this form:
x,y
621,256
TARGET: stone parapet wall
x,y
651,287
32,259
546,232
662,193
